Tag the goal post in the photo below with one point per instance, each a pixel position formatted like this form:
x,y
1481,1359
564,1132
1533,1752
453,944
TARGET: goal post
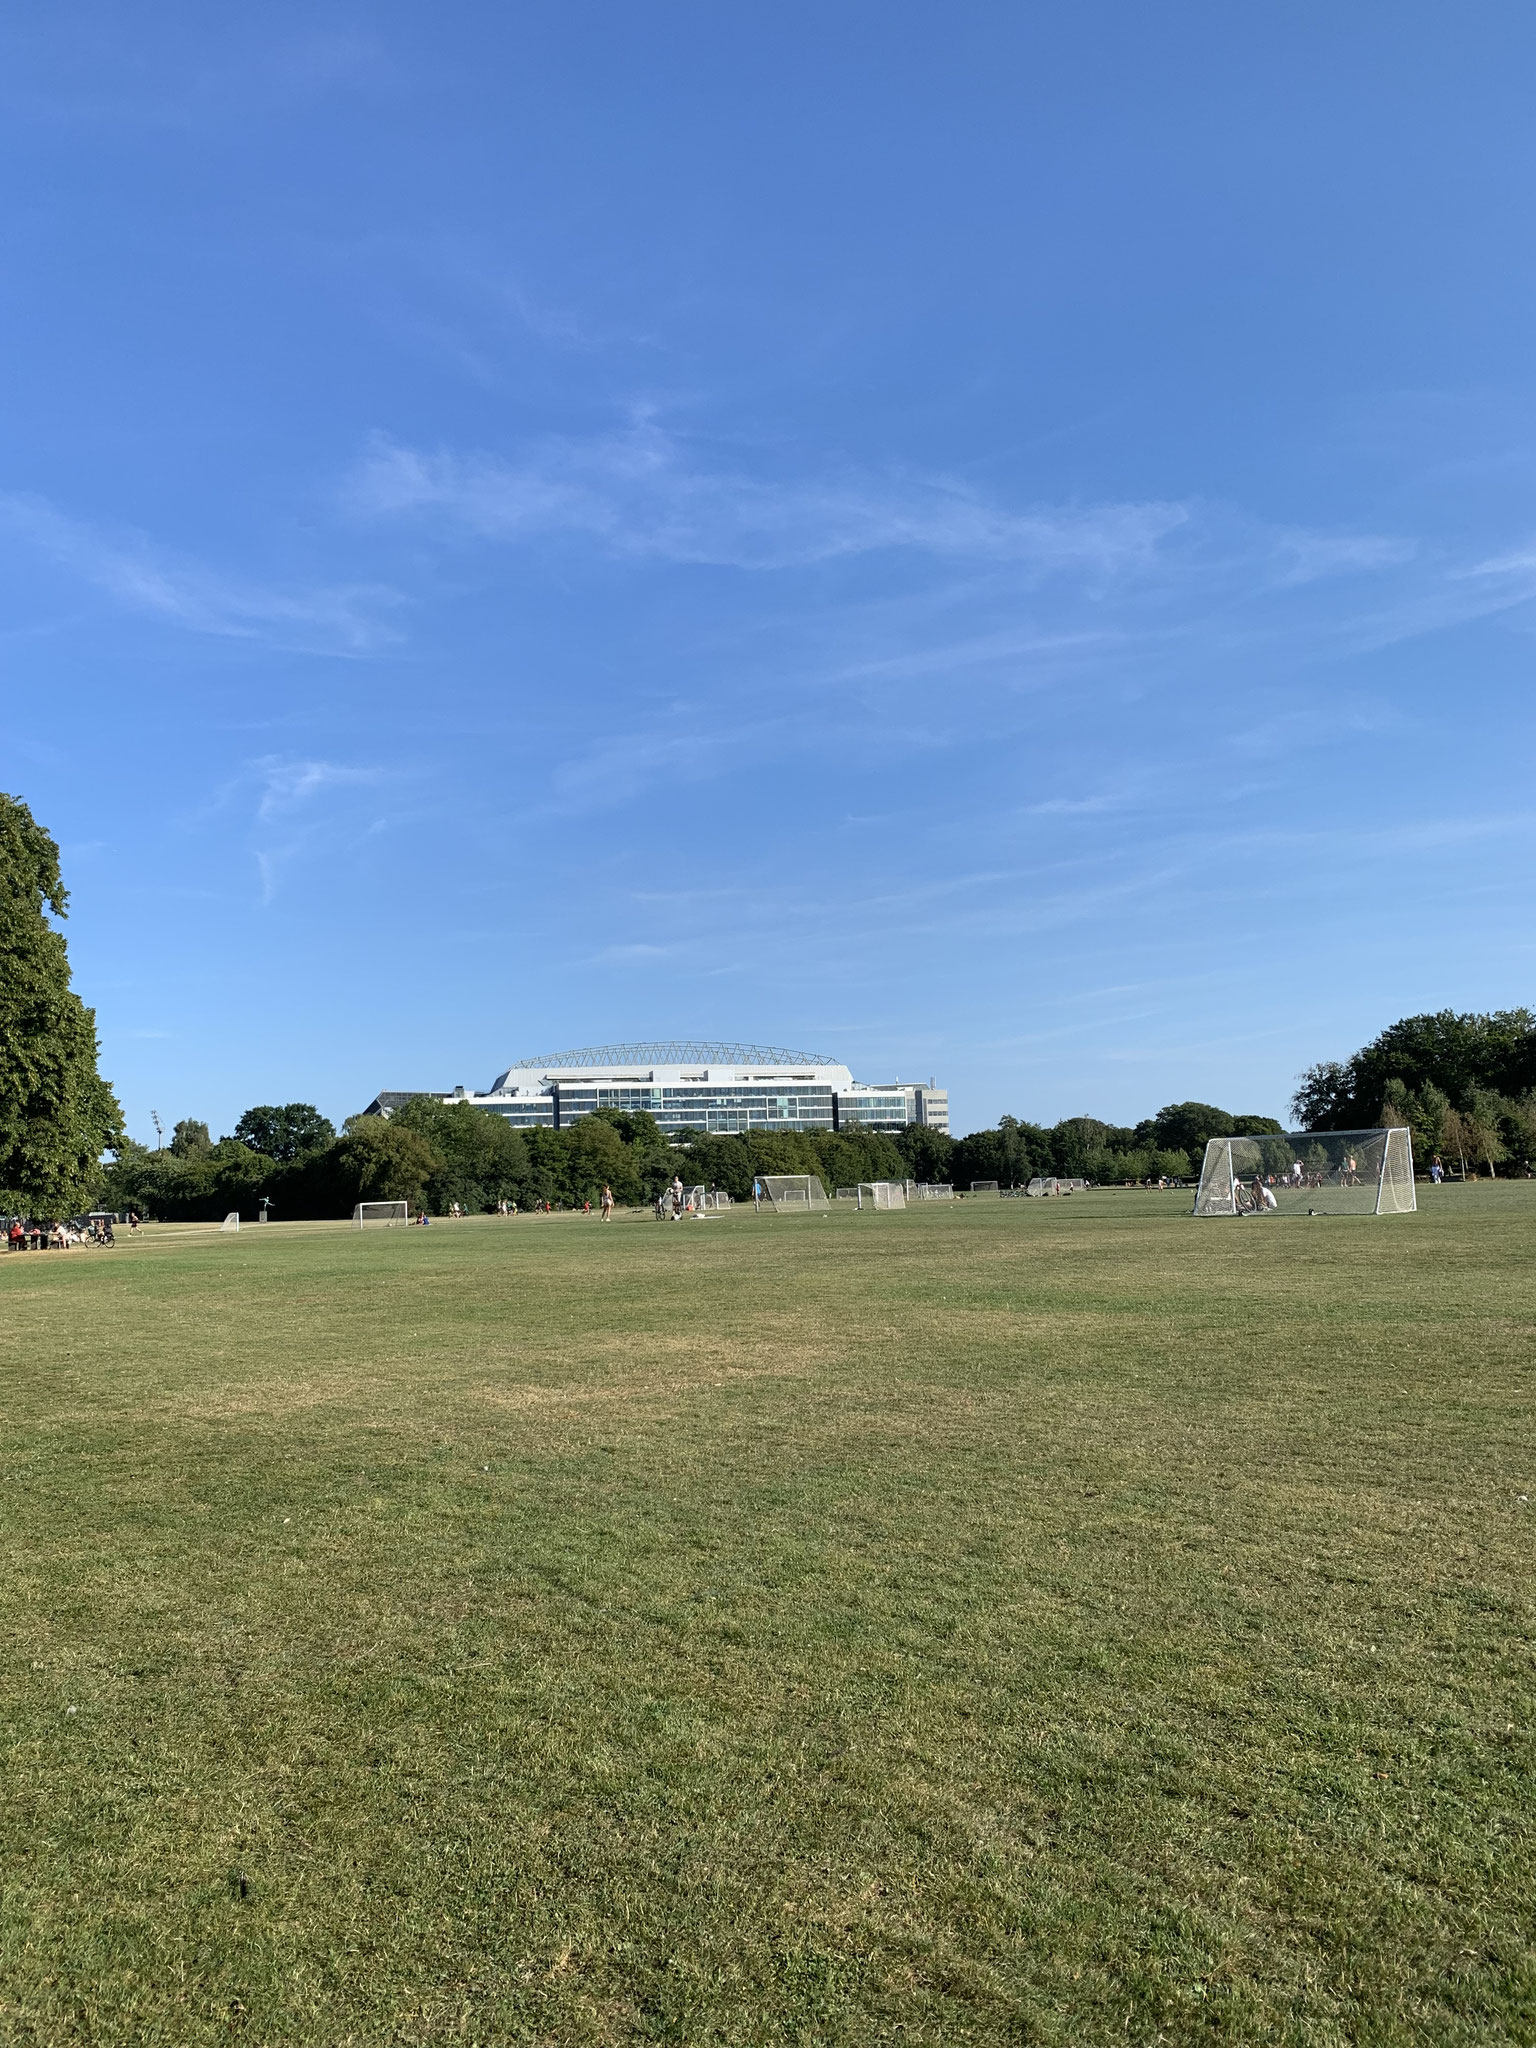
x,y
794,1193
367,1214
882,1194
1309,1173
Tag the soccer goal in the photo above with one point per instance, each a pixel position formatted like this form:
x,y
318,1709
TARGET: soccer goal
x,y
882,1194
930,1191
231,1221
795,1193
985,1187
367,1214
1309,1173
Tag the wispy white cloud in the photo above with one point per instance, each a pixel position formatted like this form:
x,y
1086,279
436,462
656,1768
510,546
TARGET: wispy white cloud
x,y
292,812
1301,556
338,619
645,492
286,785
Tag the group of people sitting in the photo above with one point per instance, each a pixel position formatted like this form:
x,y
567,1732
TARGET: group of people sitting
x,y
1255,1196
25,1234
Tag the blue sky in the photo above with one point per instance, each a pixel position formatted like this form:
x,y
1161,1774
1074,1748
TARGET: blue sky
x,y
995,542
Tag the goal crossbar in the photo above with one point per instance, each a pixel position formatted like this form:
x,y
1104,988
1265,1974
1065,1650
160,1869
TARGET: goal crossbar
x,y
368,1214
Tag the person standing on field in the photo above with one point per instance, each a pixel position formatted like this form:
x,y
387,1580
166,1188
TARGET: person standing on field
x,y
607,1203
757,1195
679,1197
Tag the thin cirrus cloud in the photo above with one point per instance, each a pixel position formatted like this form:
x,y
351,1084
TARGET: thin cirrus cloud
x,y
339,620
286,785
298,811
640,492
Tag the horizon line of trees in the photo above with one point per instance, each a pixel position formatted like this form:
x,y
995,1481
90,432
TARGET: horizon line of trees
x,y
434,1154
1463,1083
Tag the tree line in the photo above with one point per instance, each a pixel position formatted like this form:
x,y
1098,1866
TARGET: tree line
x,y
436,1154
1464,1084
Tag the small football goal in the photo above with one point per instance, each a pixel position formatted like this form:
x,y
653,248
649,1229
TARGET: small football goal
x,y
882,1194
1309,1173
795,1193
985,1187
367,1214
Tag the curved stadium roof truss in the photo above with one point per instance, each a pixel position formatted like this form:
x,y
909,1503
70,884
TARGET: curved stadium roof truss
x,y
675,1052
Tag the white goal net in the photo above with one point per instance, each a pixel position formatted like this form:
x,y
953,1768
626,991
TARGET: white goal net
x,y
367,1213
795,1192
882,1194
1309,1173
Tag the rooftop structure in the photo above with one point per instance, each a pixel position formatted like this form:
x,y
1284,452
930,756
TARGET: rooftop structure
x,y
694,1085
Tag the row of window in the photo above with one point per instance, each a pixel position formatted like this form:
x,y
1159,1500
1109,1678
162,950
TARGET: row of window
x,y
706,1117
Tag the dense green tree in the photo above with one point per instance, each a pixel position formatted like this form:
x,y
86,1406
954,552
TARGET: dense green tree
x,y
190,1138
1188,1126
200,1185
1482,1128
57,1115
380,1160
1075,1140
929,1154
1518,1131
484,1160
286,1133
1457,1052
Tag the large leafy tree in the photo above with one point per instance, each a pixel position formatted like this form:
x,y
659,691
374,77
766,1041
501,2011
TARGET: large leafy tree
x,y
57,1115
482,1159
284,1133
379,1160
1461,1054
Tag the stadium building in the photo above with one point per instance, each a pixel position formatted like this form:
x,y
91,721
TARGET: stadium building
x,y
689,1085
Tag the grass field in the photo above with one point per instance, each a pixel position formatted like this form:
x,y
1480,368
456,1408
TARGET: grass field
x,y
1023,1622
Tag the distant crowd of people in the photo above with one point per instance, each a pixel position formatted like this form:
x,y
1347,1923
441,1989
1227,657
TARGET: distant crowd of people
x,y
1255,1196
28,1234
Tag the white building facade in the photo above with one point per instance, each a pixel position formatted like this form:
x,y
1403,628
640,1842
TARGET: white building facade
x,y
696,1085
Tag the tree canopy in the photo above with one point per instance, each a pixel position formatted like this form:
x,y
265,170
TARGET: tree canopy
x,y
57,1115
284,1133
1455,1052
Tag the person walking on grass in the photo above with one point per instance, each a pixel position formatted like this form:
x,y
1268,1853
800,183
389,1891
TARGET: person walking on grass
x,y
757,1196
679,1198
607,1203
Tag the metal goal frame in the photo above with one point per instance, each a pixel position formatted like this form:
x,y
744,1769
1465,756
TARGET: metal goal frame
x,y
1309,1173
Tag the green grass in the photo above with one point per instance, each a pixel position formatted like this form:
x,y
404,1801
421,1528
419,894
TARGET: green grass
x,y
1025,1622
